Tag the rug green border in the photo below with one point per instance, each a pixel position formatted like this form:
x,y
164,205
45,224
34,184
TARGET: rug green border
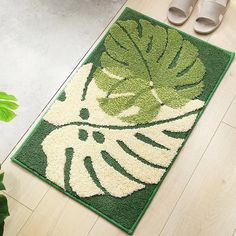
x,y
131,230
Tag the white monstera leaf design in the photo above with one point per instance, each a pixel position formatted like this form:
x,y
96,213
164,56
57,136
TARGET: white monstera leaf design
x,y
141,152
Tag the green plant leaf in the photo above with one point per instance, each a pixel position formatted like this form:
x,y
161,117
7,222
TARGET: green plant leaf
x,y
147,66
7,104
1,177
2,228
3,208
2,187
3,205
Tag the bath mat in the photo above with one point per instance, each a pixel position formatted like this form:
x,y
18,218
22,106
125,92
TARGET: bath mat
x,y
111,136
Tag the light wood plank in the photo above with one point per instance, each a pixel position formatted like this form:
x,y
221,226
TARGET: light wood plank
x,y
208,206
22,185
58,215
45,216
75,219
18,216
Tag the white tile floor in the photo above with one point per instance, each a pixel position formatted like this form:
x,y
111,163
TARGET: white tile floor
x,y
198,195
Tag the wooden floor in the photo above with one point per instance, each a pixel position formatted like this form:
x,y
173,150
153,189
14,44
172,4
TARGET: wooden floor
x,y
198,196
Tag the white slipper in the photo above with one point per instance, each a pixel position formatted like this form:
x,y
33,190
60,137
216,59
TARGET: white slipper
x,y
180,10
210,16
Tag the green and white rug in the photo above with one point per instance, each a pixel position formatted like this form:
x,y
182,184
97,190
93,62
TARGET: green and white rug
x,y
112,135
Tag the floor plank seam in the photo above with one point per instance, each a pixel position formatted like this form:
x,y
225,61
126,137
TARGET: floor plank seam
x,y
228,124
18,201
42,198
36,208
93,226
67,200
234,232
32,211
234,97
24,223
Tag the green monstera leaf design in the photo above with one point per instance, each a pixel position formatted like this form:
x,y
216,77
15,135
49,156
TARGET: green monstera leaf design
x,y
145,67
7,104
95,154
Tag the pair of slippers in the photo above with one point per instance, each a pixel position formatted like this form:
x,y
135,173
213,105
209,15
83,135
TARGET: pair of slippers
x,y
209,18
